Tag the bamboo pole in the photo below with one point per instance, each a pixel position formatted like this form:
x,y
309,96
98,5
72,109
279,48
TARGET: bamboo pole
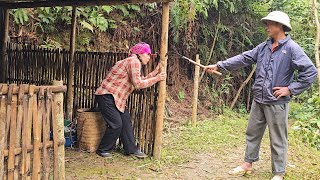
x,y
19,128
11,114
317,40
24,136
28,131
2,130
36,141
162,86
46,136
30,148
4,22
71,64
58,133
195,92
15,91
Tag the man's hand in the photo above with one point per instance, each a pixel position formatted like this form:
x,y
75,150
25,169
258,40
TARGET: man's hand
x,y
211,68
281,92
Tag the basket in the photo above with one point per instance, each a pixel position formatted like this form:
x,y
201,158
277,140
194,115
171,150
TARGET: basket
x,y
90,129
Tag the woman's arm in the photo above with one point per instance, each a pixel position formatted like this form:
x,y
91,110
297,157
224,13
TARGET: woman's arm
x,y
153,73
134,71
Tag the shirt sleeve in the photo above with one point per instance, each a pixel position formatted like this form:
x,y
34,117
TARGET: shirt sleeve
x,y
134,71
307,72
247,58
150,75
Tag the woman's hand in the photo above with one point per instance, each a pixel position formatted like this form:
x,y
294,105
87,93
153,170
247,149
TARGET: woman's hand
x,y
162,76
159,67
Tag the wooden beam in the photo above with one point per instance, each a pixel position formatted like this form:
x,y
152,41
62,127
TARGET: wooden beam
x,y
54,89
4,25
71,64
162,86
52,3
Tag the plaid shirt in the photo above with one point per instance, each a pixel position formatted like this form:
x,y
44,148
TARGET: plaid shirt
x,y
123,78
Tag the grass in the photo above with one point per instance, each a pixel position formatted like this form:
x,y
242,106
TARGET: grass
x,y
223,136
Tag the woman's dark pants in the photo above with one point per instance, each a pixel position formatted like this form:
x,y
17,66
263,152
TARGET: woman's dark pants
x,y
118,126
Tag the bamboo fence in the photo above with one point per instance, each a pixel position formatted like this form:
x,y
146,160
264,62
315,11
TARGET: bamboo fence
x,y
26,124
28,64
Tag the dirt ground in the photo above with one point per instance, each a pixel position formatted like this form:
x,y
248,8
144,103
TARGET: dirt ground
x,y
82,165
207,151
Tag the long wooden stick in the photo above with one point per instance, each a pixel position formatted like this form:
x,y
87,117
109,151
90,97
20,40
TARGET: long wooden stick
x,y
200,65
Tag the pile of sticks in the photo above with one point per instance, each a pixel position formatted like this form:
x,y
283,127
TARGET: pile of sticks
x,y
28,115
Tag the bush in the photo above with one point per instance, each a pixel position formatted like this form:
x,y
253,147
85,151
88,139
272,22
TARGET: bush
x,y
308,121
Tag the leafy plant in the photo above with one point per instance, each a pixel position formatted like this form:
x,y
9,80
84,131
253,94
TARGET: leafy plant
x,y
21,16
181,95
308,121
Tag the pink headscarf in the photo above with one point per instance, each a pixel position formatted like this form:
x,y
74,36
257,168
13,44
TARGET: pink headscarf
x,y
140,48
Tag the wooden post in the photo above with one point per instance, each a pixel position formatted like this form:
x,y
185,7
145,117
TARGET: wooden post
x,y
4,24
162,86
71,64
58,133
317,39
195,92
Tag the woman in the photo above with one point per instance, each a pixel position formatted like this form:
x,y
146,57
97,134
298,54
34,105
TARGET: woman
x,y
122,79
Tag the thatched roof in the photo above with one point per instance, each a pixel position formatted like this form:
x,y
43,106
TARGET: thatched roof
x,y
13,4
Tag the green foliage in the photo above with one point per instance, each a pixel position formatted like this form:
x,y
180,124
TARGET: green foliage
x,y
308,121
47,19
21,16
181,95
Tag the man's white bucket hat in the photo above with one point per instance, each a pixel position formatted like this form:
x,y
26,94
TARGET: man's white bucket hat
x,y
280,17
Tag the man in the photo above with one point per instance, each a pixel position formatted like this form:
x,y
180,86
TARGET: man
x,y
276,60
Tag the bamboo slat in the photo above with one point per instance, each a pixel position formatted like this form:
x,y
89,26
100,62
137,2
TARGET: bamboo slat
x,y
24,136
46,137
36,141
29,127
19,128
2,130
12,105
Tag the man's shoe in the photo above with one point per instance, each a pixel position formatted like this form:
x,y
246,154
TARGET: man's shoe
x,y
239,171
139,154
104,154
277,177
